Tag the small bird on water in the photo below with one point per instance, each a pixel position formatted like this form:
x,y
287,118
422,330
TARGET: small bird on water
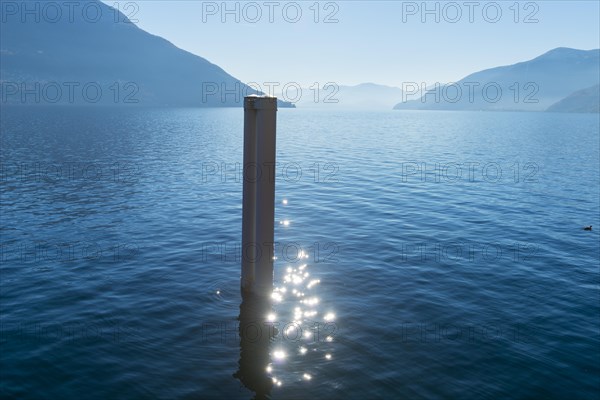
x,y
587,228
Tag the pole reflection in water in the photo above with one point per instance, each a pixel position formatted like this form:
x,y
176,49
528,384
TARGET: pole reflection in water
x,y
256,332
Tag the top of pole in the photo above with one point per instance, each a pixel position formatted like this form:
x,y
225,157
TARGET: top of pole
x,y
255,102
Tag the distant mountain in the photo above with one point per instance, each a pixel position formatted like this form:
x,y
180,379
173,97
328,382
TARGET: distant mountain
x,y
582,101
532,85
365,96
96,55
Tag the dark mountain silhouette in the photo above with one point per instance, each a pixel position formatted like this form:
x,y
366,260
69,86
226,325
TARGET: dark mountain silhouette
x,y
582,101
532,85
101,46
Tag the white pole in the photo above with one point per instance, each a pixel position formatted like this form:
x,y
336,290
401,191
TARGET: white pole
x,y
258,214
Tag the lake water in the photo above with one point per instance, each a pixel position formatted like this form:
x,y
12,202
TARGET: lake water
x,y
431,255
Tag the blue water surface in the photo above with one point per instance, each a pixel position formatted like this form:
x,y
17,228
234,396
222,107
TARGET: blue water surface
x,y
423,255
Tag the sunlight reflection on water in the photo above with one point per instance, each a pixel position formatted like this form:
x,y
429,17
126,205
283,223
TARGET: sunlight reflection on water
x,y
300,330
302,321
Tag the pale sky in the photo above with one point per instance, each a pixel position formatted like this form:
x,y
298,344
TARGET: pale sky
x,y
385,42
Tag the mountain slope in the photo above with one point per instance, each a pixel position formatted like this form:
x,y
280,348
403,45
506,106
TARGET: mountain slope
x,y
582,101
532,85
110,51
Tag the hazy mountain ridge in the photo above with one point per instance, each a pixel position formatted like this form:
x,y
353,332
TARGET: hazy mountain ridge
x,y
114,61
124,61
582,101
532,85
364,96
